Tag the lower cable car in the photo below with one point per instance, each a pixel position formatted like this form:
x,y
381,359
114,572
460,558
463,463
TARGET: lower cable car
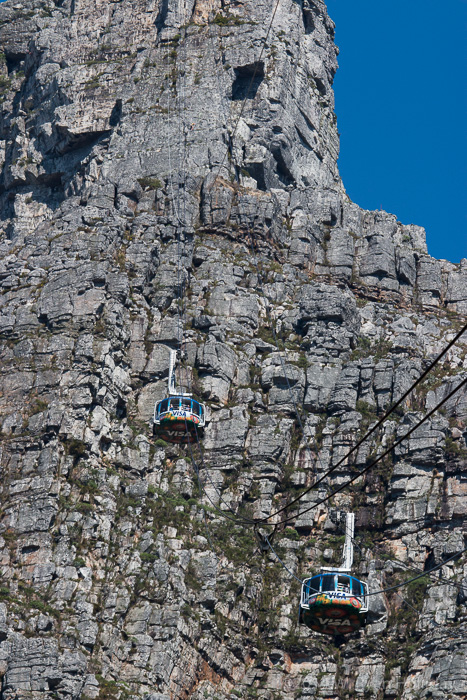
x,y
334,602
179,418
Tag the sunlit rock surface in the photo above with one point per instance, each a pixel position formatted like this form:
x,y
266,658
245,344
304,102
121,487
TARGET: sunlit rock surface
x,y
133,173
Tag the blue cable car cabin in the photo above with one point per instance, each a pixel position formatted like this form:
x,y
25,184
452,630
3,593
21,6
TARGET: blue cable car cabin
x,y
179,419
334,603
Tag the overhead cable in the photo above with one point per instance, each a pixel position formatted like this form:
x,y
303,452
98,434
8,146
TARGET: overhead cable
x,y
236,518
257,63
422,575
365,469
381,420
377,424
419,612
415,568
291,573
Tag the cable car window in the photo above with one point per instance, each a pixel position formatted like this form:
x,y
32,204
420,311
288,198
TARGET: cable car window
x,y
175,404
328,582
163,406
313,585
201,409
186,404
343,584
195,408
357,588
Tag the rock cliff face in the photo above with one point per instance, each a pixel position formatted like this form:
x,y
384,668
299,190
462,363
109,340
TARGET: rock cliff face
x,y
133,173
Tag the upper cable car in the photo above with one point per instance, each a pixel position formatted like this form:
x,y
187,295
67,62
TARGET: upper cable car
x,y
334,602
179,418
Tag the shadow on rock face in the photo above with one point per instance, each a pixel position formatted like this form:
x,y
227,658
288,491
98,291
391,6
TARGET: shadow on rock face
x,y
247,81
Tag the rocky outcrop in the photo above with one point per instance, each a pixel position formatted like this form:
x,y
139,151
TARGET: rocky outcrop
x,y
144,202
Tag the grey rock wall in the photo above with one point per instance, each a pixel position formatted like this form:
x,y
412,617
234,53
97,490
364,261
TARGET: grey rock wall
x,y
133,174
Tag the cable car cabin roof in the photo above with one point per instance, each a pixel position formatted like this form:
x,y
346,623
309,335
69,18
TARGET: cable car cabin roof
x,y
334,603
179,419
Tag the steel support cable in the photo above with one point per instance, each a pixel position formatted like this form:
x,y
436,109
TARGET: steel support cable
x,y
179,283
412,568
291,573
252,239
257,521
264,520
175,212
276,342
415,568
419,612
205,54
242,109
391,410
239,519
235,519
182,110
388,588
215,36
395,586
183,93
181,291
379,422
368,467
221,512
201,490
441,579
409,567
343,459
422,575
395,405
383,590
388,413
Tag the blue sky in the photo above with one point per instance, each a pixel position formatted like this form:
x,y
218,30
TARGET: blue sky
x,y
401,104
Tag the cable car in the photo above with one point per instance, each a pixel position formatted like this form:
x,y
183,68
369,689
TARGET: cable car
x,y
334,602
179,418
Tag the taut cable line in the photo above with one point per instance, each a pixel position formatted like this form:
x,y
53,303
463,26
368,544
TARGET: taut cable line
x,y
242,109
366,469
388,413
422,575
393,408
410,567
